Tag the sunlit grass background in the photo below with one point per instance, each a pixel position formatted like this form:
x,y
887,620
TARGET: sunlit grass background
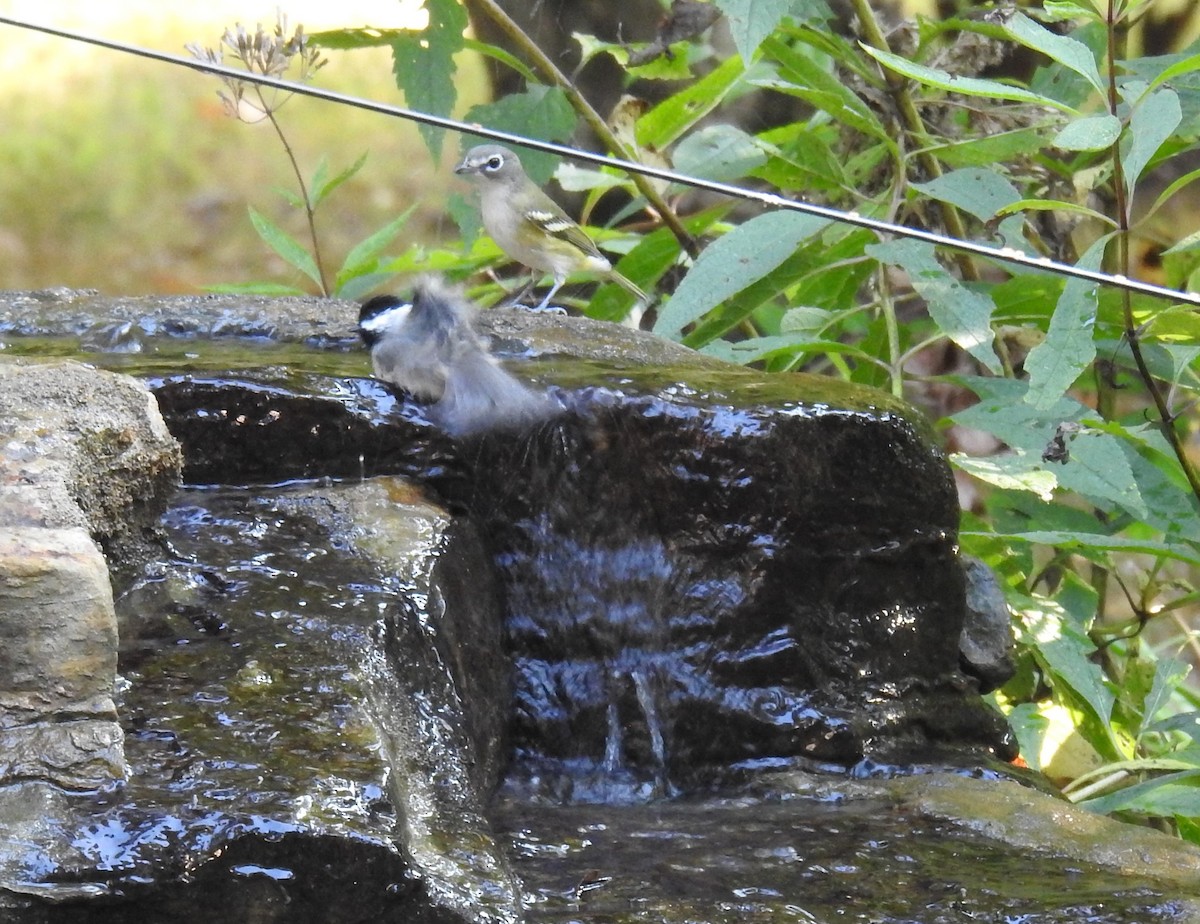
x,y
125,175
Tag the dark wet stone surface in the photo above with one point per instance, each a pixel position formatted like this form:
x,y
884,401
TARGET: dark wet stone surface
x,y
699,577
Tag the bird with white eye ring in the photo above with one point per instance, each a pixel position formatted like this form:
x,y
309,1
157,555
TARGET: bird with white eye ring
x,y
529,226
428,347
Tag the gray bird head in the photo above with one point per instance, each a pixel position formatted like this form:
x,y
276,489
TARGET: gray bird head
x,y
490,162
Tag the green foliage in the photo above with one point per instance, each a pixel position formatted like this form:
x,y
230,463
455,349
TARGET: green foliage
x,y
1090,510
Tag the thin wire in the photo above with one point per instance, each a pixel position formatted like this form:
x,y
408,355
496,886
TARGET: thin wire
x,y
1001,254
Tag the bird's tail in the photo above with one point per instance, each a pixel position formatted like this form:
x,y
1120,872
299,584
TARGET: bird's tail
x,y
629,286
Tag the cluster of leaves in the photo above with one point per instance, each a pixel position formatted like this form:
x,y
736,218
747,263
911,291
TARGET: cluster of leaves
x,y
1091,514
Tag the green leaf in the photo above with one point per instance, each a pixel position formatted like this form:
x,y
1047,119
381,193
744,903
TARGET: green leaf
x,y
731,263
964,315
351,39
1012,471
1052,205
1065,650
1153,120
1065,10
756,349
1091,133
1098,468
1173,794
979,192
285,245
504,57
718,152
354,288
662,125
540,112
802,76
322,185
1169,673
1188,65
1055,363
424,65
989,149
272,289
368,250
1067,51
674,66
967,86
1089,542
654,254
751,21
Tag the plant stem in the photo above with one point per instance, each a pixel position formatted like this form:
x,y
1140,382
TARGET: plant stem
x,y
308,206
915,126
597,124
1132,331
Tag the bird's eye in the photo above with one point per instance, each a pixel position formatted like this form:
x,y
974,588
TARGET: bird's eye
x,y
495,162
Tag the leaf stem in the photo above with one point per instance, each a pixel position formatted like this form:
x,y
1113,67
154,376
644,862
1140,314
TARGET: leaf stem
x,y
308,206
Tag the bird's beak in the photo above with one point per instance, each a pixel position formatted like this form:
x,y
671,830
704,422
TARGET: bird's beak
x,y
462,168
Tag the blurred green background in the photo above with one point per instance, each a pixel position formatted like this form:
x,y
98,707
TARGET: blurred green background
x,y
126,175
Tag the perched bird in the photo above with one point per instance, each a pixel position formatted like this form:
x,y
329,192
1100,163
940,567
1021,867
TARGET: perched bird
x,y
429,347
529,226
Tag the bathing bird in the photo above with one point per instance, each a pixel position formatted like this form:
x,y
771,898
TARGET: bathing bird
x,y
428,346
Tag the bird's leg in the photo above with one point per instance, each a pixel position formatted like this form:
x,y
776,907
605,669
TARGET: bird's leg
x,y
558,281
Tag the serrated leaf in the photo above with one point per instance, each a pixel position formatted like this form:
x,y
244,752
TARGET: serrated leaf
x,y
1069,348
751,21
733,262
1067,51
285,245
540,112
424,65
967,86
979,192
1091,133
1153,120
964,315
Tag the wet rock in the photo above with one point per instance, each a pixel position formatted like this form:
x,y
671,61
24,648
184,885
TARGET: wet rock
x,y
85,458
84,448
703,569
310,761
986,644
58,659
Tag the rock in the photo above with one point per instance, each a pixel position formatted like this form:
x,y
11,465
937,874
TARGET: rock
x,y
311,758
84,447
86,459
986,644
